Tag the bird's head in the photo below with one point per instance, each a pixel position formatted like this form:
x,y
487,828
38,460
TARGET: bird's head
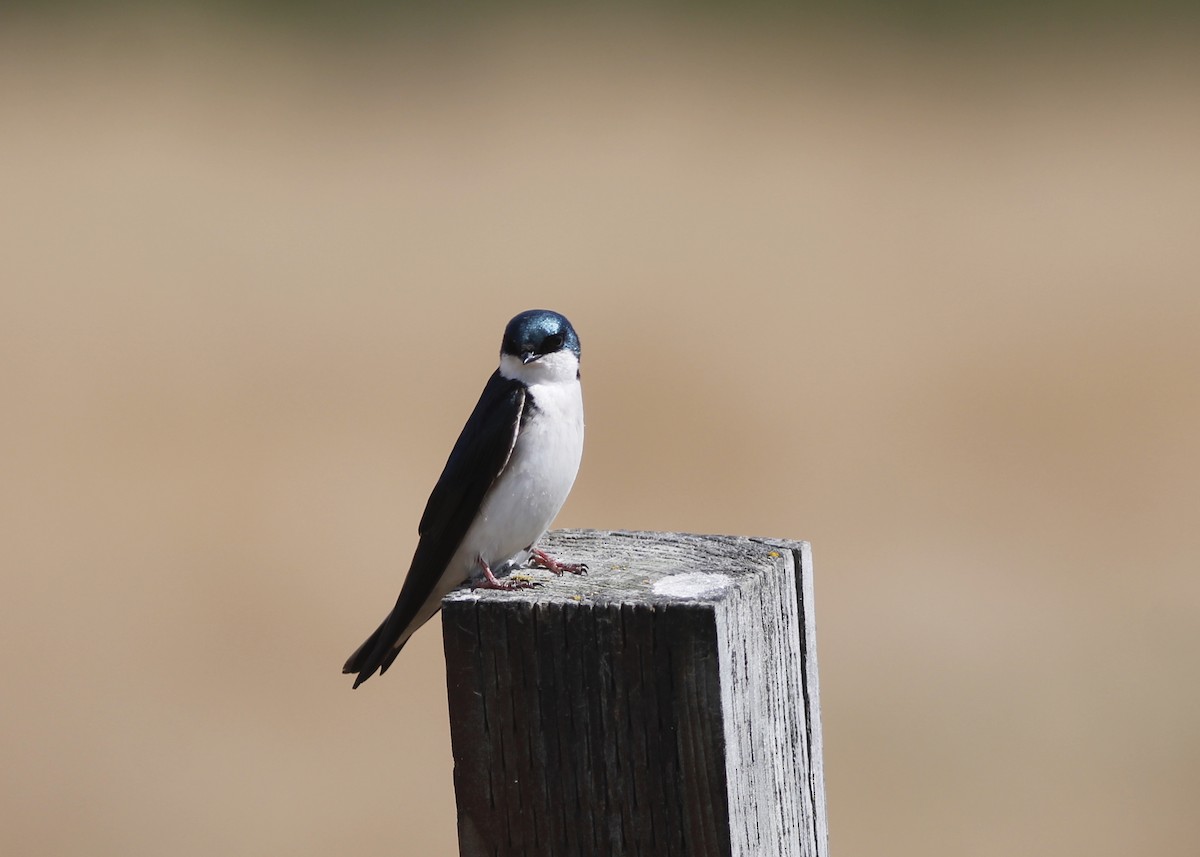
x,y
540,345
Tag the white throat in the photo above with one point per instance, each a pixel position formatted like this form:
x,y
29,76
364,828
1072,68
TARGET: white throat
x,y
558,368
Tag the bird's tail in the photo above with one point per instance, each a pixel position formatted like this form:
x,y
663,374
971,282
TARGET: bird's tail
x,y
375,653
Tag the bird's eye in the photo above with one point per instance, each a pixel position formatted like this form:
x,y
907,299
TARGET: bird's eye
x,y
552,343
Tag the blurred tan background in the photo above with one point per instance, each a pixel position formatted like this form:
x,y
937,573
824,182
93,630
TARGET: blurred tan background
x,y
928,297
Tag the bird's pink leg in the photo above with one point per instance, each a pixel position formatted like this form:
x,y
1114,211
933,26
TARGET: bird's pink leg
x,y
490,581
548,562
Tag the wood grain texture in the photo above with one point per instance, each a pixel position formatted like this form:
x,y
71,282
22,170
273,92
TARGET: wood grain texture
x,y
665,704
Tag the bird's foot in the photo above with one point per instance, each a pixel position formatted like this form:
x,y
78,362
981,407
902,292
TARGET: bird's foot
x,y
549,563
490,581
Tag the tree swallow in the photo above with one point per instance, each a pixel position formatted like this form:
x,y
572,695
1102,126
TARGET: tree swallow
x,y
506,478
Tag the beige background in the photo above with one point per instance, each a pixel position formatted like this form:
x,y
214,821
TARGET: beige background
x,y
931,303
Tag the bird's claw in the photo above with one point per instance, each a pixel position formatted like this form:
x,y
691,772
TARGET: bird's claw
x,y
549,563
490,581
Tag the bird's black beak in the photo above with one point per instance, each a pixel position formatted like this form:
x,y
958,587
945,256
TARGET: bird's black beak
x,y
529,356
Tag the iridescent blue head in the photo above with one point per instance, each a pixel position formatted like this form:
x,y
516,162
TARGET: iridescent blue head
x,y
537,333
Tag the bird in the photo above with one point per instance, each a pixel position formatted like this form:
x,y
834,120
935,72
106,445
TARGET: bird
x,y
506,479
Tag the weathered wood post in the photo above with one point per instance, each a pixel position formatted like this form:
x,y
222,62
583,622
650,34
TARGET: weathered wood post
x,y
664,704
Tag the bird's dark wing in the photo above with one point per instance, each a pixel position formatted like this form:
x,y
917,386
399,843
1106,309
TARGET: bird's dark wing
x,y
478,457
482,450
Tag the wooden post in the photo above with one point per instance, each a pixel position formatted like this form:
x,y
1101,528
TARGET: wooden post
x,y
664,704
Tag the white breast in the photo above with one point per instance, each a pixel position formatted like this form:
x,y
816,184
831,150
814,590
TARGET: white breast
x,y
535,484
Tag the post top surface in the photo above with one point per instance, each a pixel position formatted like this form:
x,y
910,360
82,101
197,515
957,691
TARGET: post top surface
x,y
645,568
